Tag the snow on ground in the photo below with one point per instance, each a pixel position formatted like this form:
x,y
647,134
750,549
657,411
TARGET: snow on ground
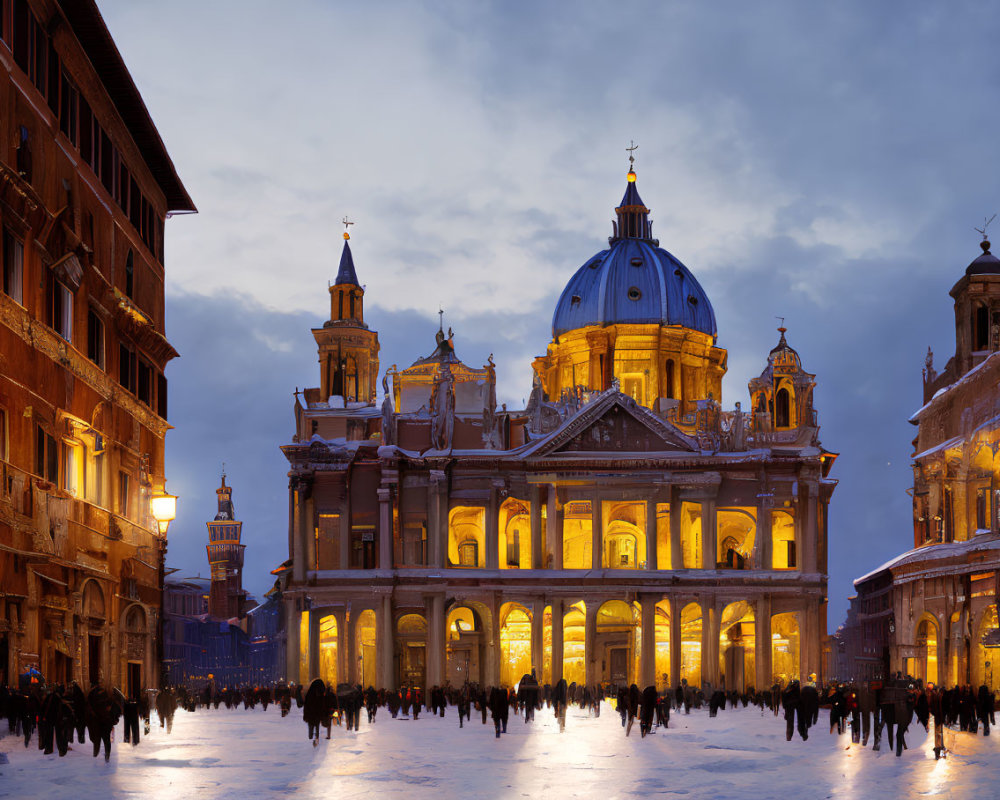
x,y
739,754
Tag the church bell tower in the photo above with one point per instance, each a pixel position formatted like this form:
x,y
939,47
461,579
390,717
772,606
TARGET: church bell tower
x,y
348,351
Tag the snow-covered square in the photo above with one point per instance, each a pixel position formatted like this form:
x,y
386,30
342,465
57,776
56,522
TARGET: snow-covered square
x,y
741,753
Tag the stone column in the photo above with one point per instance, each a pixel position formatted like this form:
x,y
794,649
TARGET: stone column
x,y
314,618
340,615
537,640
811,529
385,528
762,631
590,638
537,556
707,674
557,640
492,528
676,553
960,510
651,536
309,530
386,650
352,645
555,528
298,555
710,551
597,533
648,654
764,534
440,640
437,528
291,640
676,606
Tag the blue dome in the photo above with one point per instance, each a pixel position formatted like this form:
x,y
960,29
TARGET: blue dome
x,y
633,281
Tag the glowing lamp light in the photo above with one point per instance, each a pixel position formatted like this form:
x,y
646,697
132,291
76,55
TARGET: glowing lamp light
x,y
631,176
164,509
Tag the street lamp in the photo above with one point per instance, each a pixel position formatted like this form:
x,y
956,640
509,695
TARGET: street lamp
x,y
164,509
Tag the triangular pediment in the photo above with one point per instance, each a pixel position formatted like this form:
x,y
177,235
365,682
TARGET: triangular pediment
x,y
615,424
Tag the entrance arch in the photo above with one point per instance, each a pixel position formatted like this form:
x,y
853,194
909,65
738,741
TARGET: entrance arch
x,y
691,645
616,644
661,627
328,650
737,640
411,647
515,643
464,656
785,648
989,675
364,647
575,643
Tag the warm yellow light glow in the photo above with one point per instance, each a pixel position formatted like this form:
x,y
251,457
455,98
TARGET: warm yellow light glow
x,y
164,509
631,176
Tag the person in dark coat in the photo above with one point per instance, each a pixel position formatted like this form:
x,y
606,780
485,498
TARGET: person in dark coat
x,y
633,706
791,703
499,709
647,710
663,710
559,701
866,705
130,714
314,709
984,708
886,716
331,709
79,702
102,716
622,704
527,695
935,707
166,707
464,704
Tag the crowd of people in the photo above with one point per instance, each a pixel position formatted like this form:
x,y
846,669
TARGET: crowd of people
x,y
59,713
871,707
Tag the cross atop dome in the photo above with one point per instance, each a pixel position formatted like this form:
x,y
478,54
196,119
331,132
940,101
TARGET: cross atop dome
x,y
633,216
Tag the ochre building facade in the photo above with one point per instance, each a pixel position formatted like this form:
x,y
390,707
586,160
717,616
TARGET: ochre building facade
x,y
622,527
931,612
85,187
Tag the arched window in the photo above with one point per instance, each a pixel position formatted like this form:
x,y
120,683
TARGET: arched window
x,y
761,403
981,328
670,378
781,409
352,305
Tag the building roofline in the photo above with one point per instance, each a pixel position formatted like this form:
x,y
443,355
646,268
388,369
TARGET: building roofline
x,y
91,31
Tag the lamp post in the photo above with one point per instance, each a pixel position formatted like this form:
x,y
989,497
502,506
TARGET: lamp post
x,y
163,507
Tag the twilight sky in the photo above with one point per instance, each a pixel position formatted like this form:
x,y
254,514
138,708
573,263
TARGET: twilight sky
x,y
822,162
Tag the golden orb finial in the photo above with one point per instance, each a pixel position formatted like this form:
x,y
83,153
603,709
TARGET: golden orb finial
x,y
631,160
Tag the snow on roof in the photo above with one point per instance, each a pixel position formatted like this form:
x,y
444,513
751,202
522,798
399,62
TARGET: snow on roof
x,y
935,552
992,358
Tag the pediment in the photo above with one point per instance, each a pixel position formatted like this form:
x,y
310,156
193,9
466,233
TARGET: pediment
x,y
615,424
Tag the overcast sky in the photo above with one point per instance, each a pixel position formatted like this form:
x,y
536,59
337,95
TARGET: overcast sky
x,y
821,162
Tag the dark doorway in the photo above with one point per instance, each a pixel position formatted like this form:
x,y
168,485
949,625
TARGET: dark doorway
x,y
619,665
134,679
93,659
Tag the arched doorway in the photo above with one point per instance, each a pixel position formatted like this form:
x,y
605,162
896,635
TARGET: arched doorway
x,y
547,645
464,632
927,643
737,639
364,646
135,641
691,645
784,648
624,535
411,647
466,537
737,529
514,532
515,643
616,644
578,523
575,643
328,649
95,619
661,626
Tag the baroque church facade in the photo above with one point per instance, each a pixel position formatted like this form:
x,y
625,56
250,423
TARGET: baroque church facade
x,y
931,611
622,527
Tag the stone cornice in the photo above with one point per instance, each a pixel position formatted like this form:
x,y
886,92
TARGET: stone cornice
x,y
47,342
